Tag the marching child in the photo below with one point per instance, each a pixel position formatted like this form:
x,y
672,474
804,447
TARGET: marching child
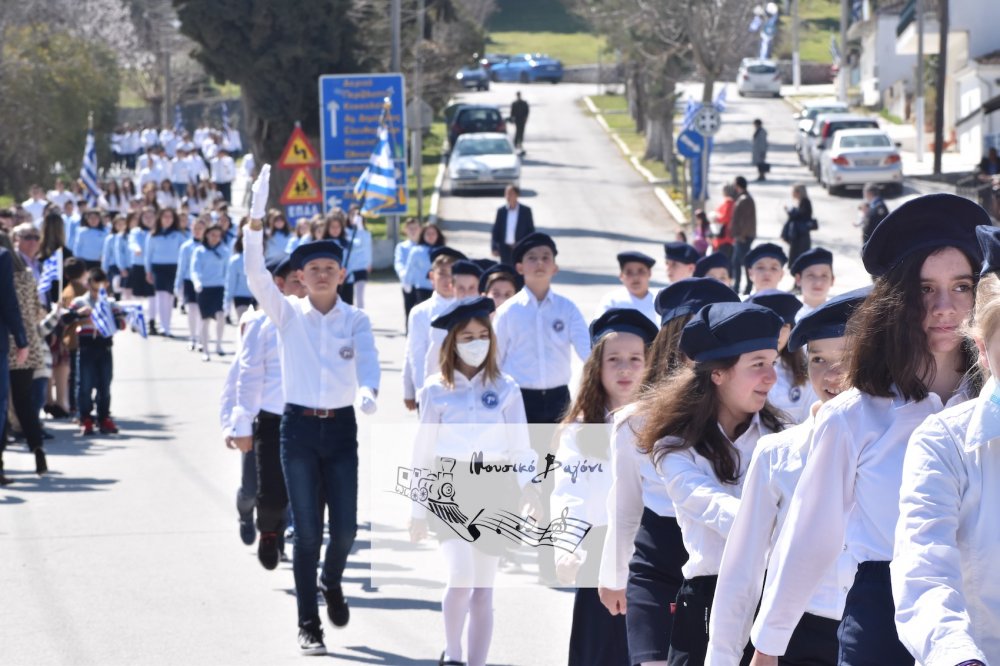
x,y
765,266
792,394
635,271
88,246
813,272
681,260
163,247
184,287
237,294
400,256
499,283
716,266
115,243
139,283
208,277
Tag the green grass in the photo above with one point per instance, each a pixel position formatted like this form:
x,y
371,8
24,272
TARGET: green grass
x,y
891,117
571,48
6,201
818,21
532,15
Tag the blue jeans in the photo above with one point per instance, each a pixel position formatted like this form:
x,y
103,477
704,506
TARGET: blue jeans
x,y
320,459
740,249
93,374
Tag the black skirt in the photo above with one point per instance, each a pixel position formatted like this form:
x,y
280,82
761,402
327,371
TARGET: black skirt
x,y
137,281
164,276
210,301
868,631
654,579
244,301
597,637
190,295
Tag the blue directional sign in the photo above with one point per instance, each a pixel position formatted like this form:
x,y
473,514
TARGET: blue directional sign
x,y
295,211
690,143
350,106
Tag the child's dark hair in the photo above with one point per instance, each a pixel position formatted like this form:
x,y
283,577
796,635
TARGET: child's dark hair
x,y
97,274
73,269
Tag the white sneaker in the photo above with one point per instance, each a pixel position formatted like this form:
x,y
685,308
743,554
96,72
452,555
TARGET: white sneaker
x,y
205,357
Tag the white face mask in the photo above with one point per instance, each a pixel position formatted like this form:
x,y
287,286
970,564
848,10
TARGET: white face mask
x,y
474,352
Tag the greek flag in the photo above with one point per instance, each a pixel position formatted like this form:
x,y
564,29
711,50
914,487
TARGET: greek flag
x,y
225,117
51,272
720,99
376,188
690,111
88,170
102,315
135,319
178,121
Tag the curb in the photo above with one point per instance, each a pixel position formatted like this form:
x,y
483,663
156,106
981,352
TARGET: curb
x,y
435,203
673,210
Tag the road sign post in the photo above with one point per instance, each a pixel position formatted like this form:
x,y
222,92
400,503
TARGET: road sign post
x,y
350,108
301,197
707,122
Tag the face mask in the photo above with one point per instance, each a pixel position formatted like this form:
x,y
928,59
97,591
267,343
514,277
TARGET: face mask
x,y
474,352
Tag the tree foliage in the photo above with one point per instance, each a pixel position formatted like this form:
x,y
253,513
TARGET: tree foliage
x,y
50,79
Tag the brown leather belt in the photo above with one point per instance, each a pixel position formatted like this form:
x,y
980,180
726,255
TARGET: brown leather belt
x,y
318,413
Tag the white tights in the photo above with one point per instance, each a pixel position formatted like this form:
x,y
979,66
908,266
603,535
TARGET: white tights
x,y
359,294
469,594
194,321
220,326
165,310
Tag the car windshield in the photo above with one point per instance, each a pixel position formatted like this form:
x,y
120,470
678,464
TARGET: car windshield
x,y
761,69
812,113
483,147
865,141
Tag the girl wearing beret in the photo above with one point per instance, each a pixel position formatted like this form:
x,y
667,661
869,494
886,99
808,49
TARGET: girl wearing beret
x,y
701,426
908,360
792,393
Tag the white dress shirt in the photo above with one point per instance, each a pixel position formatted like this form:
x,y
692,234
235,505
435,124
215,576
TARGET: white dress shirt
x,y
947,539
623,298
510,230
635,485
180,170
534,339
583,496
60,198
796,401
36,207
846,501
324,357
706,507
770,482
418,341
223,169
258,383
227,400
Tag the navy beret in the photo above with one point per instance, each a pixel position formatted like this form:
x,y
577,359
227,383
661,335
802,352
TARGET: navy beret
x,y
445,251
765,250
828,320
532,240
814,257
465,267
639,257
493,270
623,320
280,268
321,249
989,243
689,295
710,261
463,311
782,303
724,330
930,221
484,264
682,252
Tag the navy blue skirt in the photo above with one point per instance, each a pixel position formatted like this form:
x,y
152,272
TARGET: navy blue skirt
x,y
137,281
244,301
868,631
597,638
164,276
210,301
654,579
190,295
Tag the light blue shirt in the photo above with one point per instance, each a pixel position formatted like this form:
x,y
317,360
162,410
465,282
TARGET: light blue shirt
x,y
163,248
418,265
400,255
236,279
361,250
89,243
184,262
121,252
137,241
293,243
109,253
208,266
71,225
274,249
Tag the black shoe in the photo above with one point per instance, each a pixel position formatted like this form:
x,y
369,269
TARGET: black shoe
x,y
247,530
47,435
449,662
268,551
336,606
311,640
41,465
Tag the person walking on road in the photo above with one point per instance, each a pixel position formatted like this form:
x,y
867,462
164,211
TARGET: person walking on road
x,y
519,116
513,222
743,228
759,150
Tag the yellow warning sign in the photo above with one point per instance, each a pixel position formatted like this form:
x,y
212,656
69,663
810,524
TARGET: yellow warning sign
x,y
301,188
298,152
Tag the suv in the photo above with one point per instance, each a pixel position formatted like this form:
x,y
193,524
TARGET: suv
x,y
758,76
474,118
822,130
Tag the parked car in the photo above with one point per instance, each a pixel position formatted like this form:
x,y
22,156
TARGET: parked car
x,y
528,68
473,78
758,76
467,118
810,110
822,130
858,156
483,161
490,59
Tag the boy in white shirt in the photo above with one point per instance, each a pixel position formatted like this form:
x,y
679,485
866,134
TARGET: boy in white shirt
x,y
635,271
765,266
681,259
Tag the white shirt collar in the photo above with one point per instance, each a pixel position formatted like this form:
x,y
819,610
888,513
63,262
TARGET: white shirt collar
x,y
984,426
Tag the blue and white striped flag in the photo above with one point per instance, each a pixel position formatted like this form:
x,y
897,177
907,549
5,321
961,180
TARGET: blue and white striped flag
x,y
690,111
102,315
178,121
225,117
52,271
720,99
376,187
135,319
88,170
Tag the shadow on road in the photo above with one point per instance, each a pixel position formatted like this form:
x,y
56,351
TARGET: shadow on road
x,y
370,655
54,482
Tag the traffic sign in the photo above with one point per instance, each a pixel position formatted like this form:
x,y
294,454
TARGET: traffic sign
x,y
690,143
301,189
707,121
298,151
350,109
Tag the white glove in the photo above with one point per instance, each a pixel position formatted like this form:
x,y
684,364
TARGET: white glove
x,y
368,405
258,207
407,288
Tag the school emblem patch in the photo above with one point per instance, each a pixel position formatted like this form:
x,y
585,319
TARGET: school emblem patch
x,y
558,326
794,393
347,353
490,400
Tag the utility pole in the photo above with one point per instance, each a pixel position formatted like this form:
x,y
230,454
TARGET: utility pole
x,y
796,65
920,81
394,18
168,92
418,133
845,16
940,83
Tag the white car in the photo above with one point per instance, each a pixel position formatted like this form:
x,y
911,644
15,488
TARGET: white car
x,y
810,110
858,156
758,76
483,161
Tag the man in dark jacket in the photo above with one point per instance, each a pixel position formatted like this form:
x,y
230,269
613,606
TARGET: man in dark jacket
x,y
873,209
743,228
11,324
519,114
513,222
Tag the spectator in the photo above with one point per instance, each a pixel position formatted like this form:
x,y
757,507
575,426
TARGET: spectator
x,y
223,173
722,238
95,365
759,151
513,222
11,327
35,205
989,166
27,240
743,228
519,115
799,226
873,210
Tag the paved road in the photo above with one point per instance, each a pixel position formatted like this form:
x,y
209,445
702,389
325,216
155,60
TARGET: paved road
x,y
128,552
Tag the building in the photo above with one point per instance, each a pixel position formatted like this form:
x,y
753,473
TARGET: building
x,y
881,73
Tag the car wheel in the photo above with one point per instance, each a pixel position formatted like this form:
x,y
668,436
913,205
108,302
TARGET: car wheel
x,y
493,77
741,93
835,190
778,94
524,78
